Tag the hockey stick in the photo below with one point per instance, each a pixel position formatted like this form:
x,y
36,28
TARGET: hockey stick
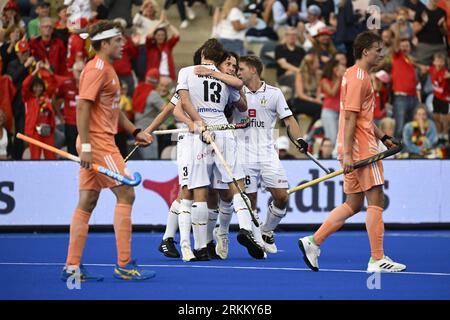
x,y
357,165
242,193
217,127
114,175
302,145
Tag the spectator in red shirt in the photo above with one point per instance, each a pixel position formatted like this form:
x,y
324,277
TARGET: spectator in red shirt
x,y
160,47
330,85
61,29
404,83
440,78
123,65
76,49
144,88
37,92
47,47
68,94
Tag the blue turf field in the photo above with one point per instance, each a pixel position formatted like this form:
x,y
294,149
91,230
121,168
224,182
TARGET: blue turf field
x,y
30,265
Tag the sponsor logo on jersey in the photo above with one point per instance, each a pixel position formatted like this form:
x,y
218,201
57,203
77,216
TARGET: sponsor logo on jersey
x,y
256,124
252,113
203,109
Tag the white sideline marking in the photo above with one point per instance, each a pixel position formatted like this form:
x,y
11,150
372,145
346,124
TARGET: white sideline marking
x,y
222,267
280,234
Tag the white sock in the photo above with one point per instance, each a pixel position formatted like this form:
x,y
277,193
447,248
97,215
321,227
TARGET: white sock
x,y
172,220
213,214
274,216
245,221
257,230
225,215
199,224
184,221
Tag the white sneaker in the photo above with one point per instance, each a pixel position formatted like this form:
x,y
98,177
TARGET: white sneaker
x,y
269,242
222,243
184,24
384,265
190,13
310,252
186,254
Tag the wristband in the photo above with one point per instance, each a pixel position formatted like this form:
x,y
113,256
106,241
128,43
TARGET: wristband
x,y
135,132
86,147
386,137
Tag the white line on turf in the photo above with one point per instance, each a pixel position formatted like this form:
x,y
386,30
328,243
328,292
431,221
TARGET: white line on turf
x,y
281,234
221,267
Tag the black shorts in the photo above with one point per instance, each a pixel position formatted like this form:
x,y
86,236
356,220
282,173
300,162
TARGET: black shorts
x,y
440,106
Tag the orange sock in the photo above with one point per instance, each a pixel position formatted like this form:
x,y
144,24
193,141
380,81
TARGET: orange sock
x,y
333,222
122,229
375,230
78,234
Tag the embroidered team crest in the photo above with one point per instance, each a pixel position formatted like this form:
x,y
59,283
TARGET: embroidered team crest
x,y
263,101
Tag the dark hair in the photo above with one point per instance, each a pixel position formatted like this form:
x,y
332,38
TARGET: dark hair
x,y
329,68
321,145
36,81
101,26
212,50
198,56
156,31
236,56
253,61
364,41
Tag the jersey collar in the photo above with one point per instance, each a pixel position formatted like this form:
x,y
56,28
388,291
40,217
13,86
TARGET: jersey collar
x,y
261,89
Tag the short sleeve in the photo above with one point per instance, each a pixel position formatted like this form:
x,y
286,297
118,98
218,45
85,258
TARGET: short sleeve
x,y
282,106
91,84
235,15
235,96
279,52
182,80
355,93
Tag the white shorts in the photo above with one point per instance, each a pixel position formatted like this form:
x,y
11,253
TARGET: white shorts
x,y
271,174
207,169
184,157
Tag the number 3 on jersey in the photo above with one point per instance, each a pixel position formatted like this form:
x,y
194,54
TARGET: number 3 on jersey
x,y
214,95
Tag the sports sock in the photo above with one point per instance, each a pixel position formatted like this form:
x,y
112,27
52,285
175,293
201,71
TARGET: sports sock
x,y
122,230
225,215
213,214
375,230
78,234
243,214
184,222
274,216
333,222
172,220
199,218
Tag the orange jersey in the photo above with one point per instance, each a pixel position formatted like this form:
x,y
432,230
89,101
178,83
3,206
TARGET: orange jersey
x,y
99,83
357,95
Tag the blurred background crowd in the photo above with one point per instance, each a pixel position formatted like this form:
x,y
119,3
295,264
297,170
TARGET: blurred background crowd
x,y
305,45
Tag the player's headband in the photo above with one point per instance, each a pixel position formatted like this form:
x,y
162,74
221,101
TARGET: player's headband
x,y
110,33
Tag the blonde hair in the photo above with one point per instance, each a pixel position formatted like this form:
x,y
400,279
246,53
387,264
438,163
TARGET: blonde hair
x,y
386,122
154,5
309,75
228,5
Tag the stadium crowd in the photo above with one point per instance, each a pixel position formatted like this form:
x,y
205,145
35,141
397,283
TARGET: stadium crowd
x,y
308,42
